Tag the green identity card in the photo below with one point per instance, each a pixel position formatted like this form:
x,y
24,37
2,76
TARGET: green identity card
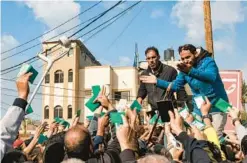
x,y
198,124
136,105
222,105
116,118
26,68
90,103
184,112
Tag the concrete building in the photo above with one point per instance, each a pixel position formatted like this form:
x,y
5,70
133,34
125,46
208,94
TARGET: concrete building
x,y
60,93
68,85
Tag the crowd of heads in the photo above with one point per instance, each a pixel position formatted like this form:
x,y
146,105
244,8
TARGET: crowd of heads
x,y
148,143
136,139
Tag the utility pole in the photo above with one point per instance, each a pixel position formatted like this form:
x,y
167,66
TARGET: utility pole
x,y
208,27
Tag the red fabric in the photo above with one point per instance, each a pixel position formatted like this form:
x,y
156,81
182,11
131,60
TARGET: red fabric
x,y
17,143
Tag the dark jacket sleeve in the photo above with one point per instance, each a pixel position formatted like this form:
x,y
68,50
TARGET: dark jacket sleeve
x,y
93,126
142,91
112,152
194,152
127,156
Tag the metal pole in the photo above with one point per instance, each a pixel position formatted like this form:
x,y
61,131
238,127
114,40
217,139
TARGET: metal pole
x,y
50,62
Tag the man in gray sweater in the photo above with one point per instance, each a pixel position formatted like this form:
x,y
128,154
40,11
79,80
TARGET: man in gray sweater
x,y
11,121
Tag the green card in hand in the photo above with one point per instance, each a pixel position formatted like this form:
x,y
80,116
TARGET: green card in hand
x,y
29,110
116,118
42,139
136,105
153,119
57,119
198,124
26,68
90,103
222,105
90,117
78,113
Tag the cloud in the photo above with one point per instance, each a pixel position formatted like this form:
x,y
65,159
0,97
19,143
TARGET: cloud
x,y
225,14
53,13
157,13
8,42
124,61
189,15
224,45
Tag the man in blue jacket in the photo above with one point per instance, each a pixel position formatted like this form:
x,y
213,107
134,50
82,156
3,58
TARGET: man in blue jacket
x,y
200,71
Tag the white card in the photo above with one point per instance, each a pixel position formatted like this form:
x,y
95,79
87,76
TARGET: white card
x,y
199,100
184,113
121,105
198,124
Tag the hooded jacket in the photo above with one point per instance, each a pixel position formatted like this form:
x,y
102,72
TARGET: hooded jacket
x,y
204,80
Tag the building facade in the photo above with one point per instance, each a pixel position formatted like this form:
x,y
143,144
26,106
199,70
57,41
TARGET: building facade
x,y
68,85
61,85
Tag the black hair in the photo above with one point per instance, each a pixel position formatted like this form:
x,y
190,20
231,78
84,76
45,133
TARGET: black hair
x,y
58,138
189,47
244,145
152,48
28,141
215,150
228,152
54,153
14,156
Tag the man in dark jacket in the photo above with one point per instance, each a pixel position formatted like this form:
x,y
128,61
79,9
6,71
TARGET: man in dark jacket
x,y
162,71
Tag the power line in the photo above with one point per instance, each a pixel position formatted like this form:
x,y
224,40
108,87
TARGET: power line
x,y
11,105
125,28
52,87
91,30
54,95
101,15
16,67
91,7
95,19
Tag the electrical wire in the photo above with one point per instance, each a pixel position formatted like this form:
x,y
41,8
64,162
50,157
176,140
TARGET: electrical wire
x,y
124,29
51,30
87,32
94,20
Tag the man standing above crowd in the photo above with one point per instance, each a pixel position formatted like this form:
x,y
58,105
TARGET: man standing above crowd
x,y
200,71
161,71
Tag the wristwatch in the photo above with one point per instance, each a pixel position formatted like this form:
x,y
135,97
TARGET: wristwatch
x,y
209,116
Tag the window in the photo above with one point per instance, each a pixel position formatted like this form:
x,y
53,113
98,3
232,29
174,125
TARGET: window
x,y
46,112
58,112
121,95
69,112
70,75
47,78
58,76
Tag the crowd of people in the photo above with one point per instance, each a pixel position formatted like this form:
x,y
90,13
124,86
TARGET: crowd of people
x,y
133,139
